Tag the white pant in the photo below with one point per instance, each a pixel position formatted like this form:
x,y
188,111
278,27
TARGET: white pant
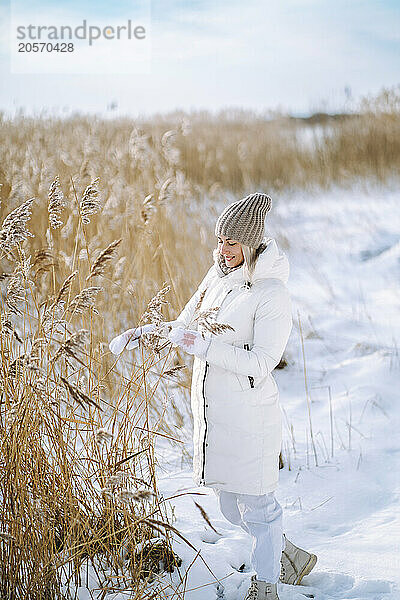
x,y
261,517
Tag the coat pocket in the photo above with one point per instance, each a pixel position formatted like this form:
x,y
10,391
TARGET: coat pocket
x,y
245,382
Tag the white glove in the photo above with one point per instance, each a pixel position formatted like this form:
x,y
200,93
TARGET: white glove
x,y
129,339
190,341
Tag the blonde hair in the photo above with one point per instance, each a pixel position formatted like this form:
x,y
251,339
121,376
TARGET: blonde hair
x,y
250,260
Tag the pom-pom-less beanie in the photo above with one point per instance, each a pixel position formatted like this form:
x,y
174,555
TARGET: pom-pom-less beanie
x,y
243,220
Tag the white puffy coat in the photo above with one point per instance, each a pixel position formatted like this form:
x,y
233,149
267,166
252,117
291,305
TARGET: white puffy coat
x,y
234,397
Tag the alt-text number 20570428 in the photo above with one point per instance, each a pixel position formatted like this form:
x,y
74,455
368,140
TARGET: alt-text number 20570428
x,y
45,47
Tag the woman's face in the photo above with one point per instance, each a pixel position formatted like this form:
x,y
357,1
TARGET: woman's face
x,y
231,250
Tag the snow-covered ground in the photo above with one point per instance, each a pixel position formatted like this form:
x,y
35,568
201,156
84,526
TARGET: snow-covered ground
x,y
344,251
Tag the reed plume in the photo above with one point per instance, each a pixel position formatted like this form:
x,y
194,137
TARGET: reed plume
x,y
106,255
13,230
85,300
73,345
56,203
65,287
206,321
90,203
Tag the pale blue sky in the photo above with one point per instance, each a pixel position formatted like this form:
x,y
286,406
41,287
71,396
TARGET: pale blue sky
x,y
297,55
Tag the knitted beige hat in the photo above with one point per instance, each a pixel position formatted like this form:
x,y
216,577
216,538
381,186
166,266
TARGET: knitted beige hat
x,y
243,220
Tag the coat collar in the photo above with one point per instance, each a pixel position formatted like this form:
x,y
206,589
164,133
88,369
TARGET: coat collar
x,y
270,263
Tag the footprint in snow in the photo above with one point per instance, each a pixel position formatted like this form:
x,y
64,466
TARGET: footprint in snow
x,y
338,586
209,537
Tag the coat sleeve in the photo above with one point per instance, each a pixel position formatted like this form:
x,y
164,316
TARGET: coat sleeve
x,y
185,317
272,327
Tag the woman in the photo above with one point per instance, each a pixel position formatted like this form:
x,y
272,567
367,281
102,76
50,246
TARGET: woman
x,y
234,397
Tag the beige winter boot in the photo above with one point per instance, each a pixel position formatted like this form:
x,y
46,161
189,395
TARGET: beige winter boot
x,y
295,563
261,590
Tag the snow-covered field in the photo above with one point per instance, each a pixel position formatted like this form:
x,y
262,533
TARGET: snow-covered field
x,y
344,252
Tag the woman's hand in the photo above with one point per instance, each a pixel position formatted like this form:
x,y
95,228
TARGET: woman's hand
x,y
129,339
190,341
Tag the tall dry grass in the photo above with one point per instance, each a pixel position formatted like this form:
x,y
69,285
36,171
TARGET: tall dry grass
x,y
79,500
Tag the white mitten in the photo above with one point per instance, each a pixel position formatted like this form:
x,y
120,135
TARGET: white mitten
x,y
129,339
190,341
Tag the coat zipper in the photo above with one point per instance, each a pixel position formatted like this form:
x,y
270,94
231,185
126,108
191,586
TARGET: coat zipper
x,y
205,422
